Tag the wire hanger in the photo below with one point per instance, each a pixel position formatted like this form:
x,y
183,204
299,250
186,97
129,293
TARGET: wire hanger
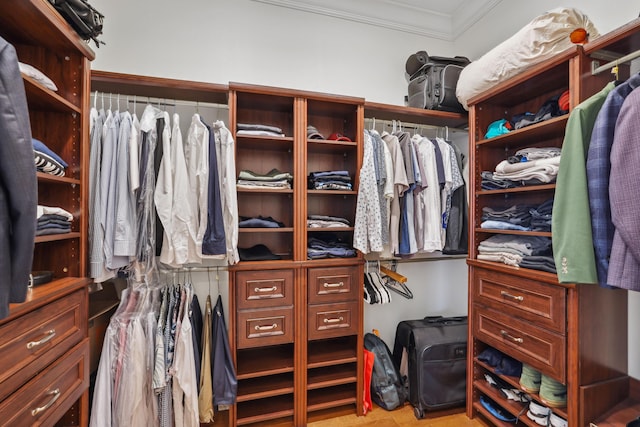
x,y
397,287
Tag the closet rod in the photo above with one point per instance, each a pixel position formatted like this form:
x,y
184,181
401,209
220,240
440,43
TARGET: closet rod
x,y
610,65
193,269
166,102
408,125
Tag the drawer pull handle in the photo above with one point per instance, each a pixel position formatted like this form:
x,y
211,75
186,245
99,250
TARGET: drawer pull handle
x,y
514,297
266,328
506,334
262,290
333,285
334,320
55,394
50,334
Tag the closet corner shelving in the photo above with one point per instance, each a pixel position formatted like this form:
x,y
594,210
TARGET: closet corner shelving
x,y
571,323
45,339
296,323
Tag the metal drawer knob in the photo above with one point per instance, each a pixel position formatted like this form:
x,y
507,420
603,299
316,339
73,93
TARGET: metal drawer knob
x,y
262,290
334,320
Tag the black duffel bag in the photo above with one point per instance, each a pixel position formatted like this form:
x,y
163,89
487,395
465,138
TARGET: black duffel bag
x,y
82,17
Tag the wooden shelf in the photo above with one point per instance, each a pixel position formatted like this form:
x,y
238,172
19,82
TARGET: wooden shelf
x,y
318,400
47,177
523,137
254,363
47,28
270,408
414,115
524,189
263,387
57,237
42,98
514,232
331,376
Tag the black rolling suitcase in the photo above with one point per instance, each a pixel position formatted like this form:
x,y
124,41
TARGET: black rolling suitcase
x,y
436,355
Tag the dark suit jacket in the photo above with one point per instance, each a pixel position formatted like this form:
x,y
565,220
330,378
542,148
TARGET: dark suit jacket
x,y
18,185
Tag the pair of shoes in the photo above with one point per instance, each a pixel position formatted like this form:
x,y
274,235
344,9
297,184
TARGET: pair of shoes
x,y
538,413
552,393
543,416
530,379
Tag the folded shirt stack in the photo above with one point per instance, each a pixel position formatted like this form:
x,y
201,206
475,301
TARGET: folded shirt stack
x,y
329,180
259,222
324,221
519,217
47,160
534,251
273,179
251,129
52,220
529,166
328,246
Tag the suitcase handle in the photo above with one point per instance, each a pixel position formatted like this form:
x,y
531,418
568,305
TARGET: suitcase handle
x,y
440,319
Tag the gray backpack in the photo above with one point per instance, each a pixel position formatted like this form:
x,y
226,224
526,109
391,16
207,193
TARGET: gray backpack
x,y
387,386
433,81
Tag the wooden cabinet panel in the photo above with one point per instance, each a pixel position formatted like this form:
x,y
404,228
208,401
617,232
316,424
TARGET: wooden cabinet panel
x,y
259,289
332,320
332,284
265,327
544,350
32,341
44,399
537,302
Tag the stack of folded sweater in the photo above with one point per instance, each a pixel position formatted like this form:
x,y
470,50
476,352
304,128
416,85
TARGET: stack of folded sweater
x,y
519,251
273,179
529,166
250,129
329,180
47,160
324,221
52,220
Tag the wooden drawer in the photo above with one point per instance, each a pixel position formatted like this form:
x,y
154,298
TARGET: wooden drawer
x,y
540,348
333,284
32,342
258,328
332,320
259,289
540,303
49,395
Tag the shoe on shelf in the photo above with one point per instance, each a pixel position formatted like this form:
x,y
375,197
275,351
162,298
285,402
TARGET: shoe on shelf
x,y
530,379
557,421
538,413
553,393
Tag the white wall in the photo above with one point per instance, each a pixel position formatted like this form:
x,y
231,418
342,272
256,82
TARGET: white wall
x,y
220,41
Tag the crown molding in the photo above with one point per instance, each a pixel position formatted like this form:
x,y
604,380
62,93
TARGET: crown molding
x,y
397,15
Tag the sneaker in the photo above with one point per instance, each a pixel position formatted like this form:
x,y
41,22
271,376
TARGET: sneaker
x,y
553,393
538,414
530,379
557,421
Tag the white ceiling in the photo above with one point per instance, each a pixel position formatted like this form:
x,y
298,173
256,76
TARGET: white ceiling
x,y
439,19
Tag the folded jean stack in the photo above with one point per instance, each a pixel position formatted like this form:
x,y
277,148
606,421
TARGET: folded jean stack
x,y
47,160
259,222
519,251
273,179
328,245
519,217
329,180
529,166
52,220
